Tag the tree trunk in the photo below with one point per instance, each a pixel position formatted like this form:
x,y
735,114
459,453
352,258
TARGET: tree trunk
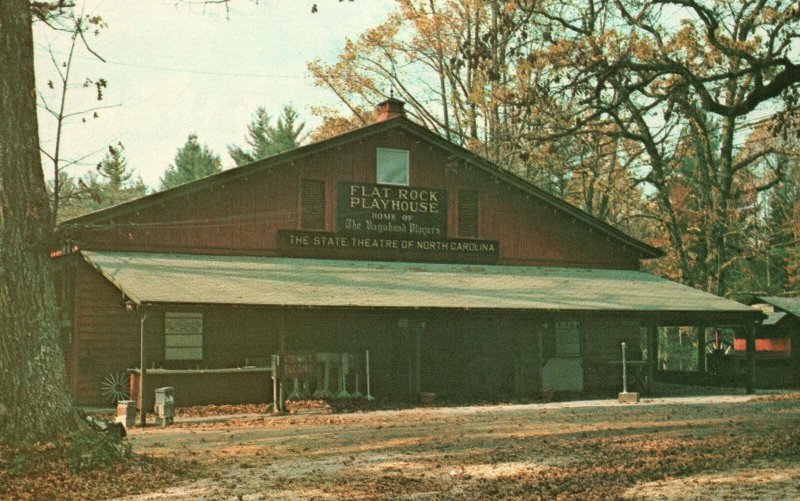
x,y
34,404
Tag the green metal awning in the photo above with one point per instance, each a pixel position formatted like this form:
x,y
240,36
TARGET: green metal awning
x,y
148,278
788,304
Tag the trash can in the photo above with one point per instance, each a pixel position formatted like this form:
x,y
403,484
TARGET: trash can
x,y
126,413
165,405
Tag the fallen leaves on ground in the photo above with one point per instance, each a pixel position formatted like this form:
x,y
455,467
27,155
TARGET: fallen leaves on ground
x,y
220,410
496,452
47,474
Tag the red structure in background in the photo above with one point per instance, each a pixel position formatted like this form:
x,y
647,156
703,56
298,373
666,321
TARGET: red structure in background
x,y
777,346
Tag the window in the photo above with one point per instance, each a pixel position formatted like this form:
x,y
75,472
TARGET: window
x,y
312,204
568,339
392,167
467,213
183,336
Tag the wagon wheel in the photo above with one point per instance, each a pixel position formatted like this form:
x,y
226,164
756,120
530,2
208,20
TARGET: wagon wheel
x,y
724,346
115,387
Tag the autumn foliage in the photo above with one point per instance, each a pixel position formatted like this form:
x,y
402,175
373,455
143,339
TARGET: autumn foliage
x,y
672,120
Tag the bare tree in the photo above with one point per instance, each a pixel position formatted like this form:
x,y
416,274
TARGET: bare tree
x,y
64,189
680,80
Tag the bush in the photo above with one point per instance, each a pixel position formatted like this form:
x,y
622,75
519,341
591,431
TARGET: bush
x,y
92,450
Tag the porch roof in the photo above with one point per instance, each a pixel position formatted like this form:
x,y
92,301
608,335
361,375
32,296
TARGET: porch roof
x,y
774,318
788,304
148,278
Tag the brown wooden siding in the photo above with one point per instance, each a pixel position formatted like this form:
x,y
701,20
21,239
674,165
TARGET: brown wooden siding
x,y
463,354
243,215
106,336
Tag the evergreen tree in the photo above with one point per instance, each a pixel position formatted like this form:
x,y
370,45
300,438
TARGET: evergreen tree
x,y
193,161
113,183
265,140
114,168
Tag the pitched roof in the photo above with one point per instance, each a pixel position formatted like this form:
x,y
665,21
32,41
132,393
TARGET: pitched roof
x,y
286,158
269,281
789,304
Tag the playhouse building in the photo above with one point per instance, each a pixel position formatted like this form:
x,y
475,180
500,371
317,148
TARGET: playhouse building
x,y
456,277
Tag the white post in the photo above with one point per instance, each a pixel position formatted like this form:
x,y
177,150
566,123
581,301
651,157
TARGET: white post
x,y
275,396
625,397
324,391
624,372
369,395
344,369
142,367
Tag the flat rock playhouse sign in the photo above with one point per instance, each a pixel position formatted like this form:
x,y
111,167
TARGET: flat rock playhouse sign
x,y
395,222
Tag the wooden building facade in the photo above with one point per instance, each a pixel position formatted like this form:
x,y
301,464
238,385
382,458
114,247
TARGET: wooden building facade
x,y
457,277
777,342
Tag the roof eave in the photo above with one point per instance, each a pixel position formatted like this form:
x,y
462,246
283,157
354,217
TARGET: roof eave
x,y
646,251
110,277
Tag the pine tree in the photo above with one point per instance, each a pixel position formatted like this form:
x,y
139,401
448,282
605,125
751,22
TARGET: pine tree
x,y
193,161
113,183
265,140
114,168
116,182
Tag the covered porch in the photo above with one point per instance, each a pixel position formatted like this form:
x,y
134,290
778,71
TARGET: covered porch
x,y
457,331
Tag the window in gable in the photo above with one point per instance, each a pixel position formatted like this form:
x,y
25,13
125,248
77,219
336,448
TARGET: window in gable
x,y
392,167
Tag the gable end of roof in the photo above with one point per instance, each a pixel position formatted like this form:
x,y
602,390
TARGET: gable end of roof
x,y
644,250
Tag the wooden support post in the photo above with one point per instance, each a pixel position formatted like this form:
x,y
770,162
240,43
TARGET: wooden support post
x,y
624,370
701,353
539,357
750,332
652,356
143,368
366,372
275,392
281,358
418,359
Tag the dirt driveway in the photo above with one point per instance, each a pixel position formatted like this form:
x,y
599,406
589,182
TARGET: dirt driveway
x,y
693,448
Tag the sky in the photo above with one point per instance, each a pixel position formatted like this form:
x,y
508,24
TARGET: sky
x,y
174,67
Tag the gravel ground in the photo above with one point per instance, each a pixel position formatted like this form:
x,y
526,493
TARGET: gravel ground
x,y
696,447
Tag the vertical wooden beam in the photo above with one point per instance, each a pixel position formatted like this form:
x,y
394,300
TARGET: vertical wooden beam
x,y
750,332
539,356
418,358
143,368
796,354
282,327
701,353
652,355
275,393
